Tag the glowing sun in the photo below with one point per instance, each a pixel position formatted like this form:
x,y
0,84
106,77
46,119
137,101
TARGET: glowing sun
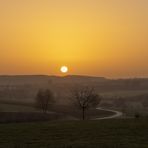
x,y
64,69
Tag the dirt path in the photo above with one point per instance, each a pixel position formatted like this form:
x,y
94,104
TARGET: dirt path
x,y
117,114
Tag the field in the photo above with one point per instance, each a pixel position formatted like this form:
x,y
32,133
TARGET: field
x,y
119,133
15,108
15,111
124,93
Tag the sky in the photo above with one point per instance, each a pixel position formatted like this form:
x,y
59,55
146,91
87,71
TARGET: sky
x,y
92,37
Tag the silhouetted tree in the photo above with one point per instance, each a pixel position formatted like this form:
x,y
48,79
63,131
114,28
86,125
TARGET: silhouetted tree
x,y
44,99
85,98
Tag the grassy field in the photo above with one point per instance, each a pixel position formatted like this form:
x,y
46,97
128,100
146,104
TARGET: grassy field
x,y
15,108
120,133
65,112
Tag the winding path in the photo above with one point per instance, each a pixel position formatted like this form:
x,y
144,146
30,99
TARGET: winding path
x,y
117,114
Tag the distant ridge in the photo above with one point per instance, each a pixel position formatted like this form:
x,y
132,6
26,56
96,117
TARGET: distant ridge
x,y
83,77
67,77
27,79
51,76
60,83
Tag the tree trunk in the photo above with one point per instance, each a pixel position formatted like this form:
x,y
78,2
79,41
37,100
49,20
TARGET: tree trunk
x,y
83,113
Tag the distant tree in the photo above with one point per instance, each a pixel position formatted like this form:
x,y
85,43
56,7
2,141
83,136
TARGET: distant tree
x,y
44,99
85,98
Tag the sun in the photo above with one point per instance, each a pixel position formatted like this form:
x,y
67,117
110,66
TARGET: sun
x,y
64,69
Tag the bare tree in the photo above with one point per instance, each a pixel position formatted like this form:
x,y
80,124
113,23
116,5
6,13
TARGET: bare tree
x,y
85,98
44,99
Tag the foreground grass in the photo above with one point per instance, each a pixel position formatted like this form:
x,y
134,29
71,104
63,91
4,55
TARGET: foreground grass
x,y
129,133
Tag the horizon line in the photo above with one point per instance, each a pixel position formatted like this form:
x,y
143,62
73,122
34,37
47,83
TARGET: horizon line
x,y
62,76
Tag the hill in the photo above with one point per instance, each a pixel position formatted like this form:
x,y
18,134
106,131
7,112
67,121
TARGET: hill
x,y
25,87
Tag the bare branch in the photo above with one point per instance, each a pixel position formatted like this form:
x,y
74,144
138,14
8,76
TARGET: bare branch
x,y
85,98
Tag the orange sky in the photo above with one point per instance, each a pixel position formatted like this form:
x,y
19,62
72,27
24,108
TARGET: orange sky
x,y
92,37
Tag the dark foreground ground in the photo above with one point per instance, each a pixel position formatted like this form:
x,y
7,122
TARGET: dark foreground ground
x,y
117,133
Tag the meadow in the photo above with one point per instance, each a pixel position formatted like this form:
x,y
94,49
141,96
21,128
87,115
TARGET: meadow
x,y
15,112
117,133
124,93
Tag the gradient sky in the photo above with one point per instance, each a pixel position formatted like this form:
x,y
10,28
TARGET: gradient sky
x,y
92,37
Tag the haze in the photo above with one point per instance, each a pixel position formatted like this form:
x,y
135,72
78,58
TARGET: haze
x,y
91,37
